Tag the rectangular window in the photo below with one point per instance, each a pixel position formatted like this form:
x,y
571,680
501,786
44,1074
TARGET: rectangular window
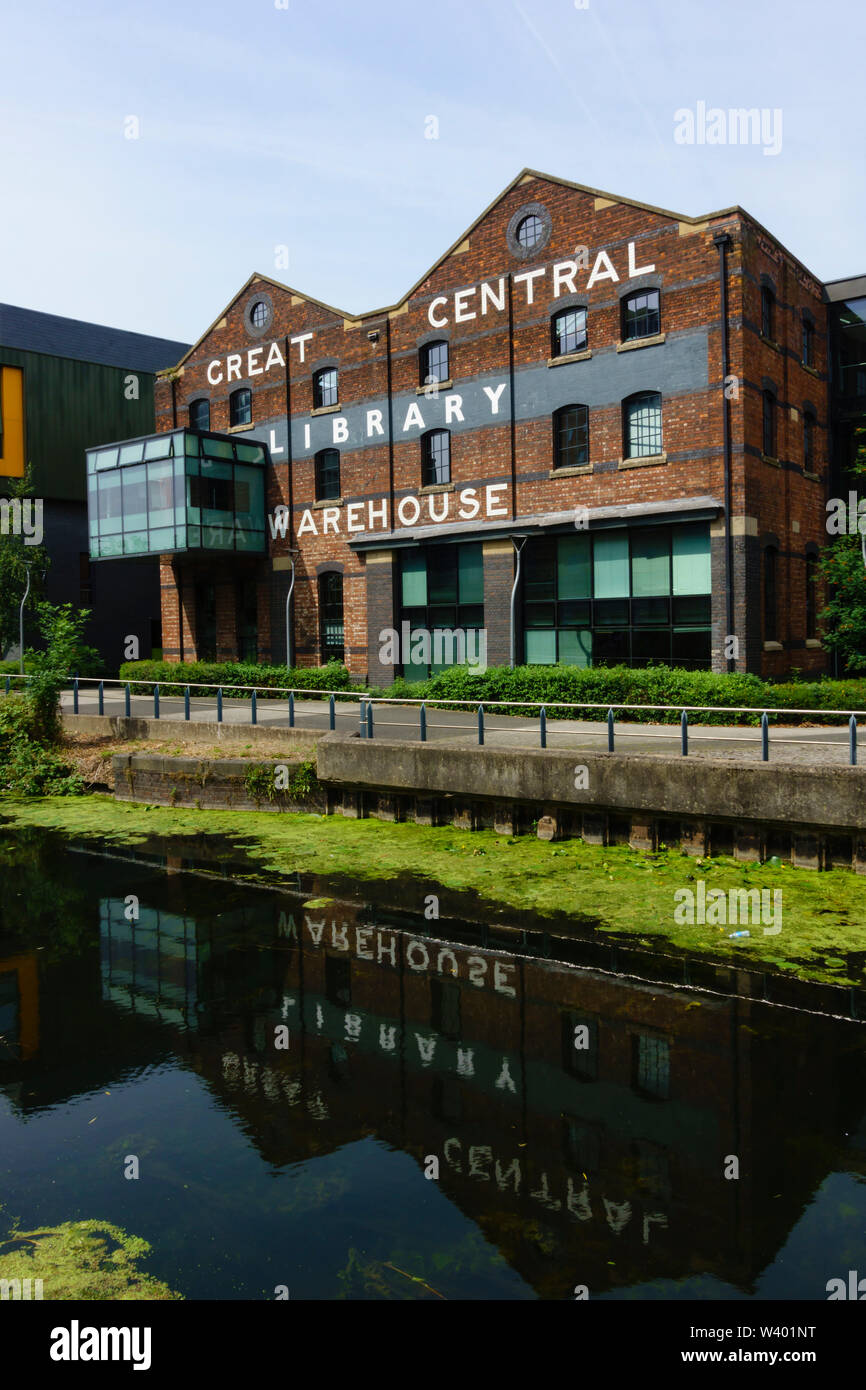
x,y
769,425
441,589
768,301
611,565
569,332
651,1062
808,344
643,426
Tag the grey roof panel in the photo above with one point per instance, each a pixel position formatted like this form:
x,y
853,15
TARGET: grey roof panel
x,y
29,330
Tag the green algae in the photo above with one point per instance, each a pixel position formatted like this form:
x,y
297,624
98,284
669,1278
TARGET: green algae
x,y
91,1260
624,892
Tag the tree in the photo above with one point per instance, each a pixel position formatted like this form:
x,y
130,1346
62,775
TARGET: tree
x,y
842,565
15,558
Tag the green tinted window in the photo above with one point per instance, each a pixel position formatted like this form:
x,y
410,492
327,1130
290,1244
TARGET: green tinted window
x,y
611,566
650,564
414,579
691,556
572,565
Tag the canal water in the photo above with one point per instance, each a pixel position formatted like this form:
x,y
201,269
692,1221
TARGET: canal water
x,y
333,1095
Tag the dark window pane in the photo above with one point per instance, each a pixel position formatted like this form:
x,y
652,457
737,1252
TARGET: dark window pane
x,y
539,569
641,315
769,437
540,614
436,457
690,647
767,306
610,648
692,610
530,231
610,612
434,363
199,415
331,616
650,612
571,437
573,614
568,332
241,407
647,645
325,388
327,474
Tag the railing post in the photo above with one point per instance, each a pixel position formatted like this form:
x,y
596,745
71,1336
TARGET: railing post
x,y
852,730
254,711
542,727
156,702
684,732
219,704
765,737
369,718
332,713
291,709
75,696
480,724
101,705
362,721
610,731
186,702
127,701
422,715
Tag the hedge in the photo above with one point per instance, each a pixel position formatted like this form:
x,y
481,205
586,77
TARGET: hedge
x,y
631,685
209,675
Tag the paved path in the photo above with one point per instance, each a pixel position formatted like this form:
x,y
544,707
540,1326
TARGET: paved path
x,y
790,745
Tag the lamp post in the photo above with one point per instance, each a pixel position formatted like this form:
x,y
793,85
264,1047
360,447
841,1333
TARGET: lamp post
x,y
289,653
518,541
21,623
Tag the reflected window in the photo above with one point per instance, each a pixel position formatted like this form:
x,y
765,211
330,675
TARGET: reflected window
x,y
436,457
331,617
327,474
641,315
651,1066
642,425
199,414
571,437
433,359
568,332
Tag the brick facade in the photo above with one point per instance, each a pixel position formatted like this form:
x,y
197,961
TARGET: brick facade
x,y
492,303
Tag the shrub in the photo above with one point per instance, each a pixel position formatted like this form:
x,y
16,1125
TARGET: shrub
x,y
628,687
27,766
209,675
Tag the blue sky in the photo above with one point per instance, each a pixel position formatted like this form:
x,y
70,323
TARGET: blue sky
x,y
304,127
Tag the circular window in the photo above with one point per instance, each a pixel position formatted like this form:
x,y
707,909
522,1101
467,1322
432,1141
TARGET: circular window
x,y
530,232
258,314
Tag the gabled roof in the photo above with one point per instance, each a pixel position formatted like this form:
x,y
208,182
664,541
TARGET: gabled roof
x,y
524,176
29,330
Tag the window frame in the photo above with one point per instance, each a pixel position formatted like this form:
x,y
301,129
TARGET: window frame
x,y
556,347
559,428
319,390
321,470
629,402
235,409
768,313
429,459
627,323
199,401
425,377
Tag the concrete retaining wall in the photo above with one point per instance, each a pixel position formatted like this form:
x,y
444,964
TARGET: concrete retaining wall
x,y
173,730
214,785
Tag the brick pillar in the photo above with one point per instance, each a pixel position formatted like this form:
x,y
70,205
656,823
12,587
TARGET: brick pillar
x,y
381,612
498,579
170,611
746,580
226,620
186,583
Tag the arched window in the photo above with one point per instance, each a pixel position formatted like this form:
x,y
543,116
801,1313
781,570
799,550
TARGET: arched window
x,y
327,474
241,407
769,424
326,389
641,315
199,414
809,423
433,363
768,312
642,425
568,332
811,595
332,633
435,457
571,437
771,568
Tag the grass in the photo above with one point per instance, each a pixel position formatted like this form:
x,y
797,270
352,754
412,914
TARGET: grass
x,y
624,891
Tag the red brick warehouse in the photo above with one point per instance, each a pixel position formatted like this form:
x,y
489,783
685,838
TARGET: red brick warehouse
x,y
636,399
